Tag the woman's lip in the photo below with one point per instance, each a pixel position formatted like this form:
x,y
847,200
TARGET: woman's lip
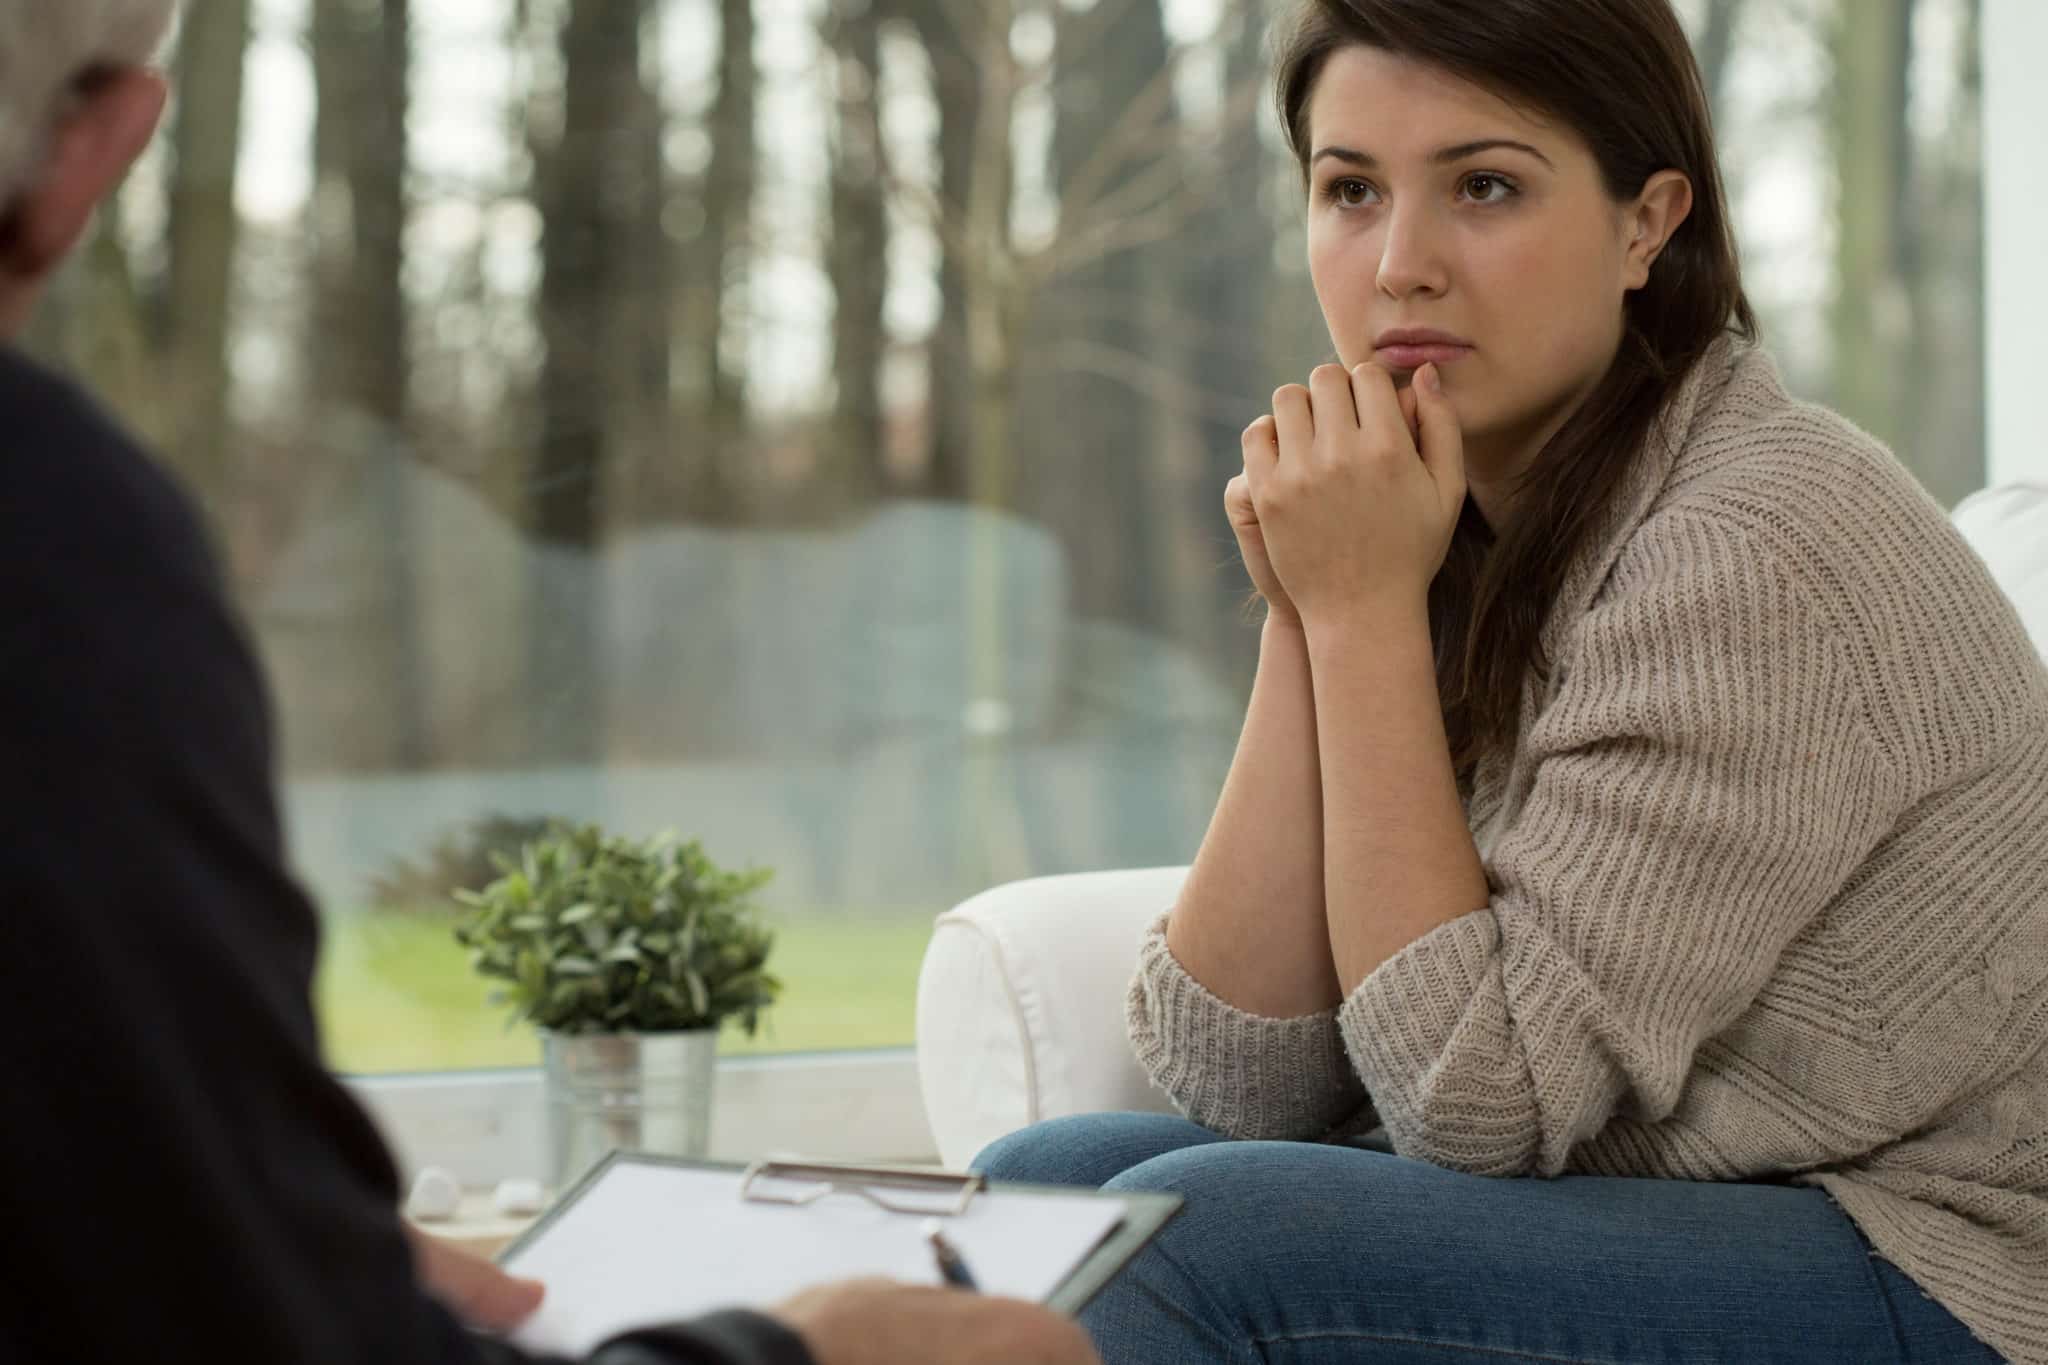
x,y
1414,357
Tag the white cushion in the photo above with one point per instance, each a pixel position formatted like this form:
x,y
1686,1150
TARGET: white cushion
x,y
2008,526
1020,1005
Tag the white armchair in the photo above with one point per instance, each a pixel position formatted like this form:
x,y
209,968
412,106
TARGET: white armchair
x,y
1020,1006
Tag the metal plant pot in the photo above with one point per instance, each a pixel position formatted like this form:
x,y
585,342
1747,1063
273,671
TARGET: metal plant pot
x,y
636,1092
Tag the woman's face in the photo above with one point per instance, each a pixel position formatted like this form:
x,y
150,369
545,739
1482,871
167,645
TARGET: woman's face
x,y
1446,225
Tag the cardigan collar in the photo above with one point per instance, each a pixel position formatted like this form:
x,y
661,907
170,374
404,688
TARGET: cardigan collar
x,y
1646,477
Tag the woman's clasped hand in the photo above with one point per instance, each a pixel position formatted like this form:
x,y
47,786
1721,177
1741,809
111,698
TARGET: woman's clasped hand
x,y
1351,489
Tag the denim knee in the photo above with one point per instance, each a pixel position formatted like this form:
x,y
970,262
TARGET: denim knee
x,y
1086,1149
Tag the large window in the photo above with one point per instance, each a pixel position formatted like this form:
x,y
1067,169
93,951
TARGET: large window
x,y
802,424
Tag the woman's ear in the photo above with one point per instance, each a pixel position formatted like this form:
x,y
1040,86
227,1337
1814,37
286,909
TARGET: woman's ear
x,y
1666,202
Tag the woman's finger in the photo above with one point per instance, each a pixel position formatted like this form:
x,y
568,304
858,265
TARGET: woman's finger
x,y
1379,405
1410,413
1237,501
1336,410
1443,440
1261,452
1293,422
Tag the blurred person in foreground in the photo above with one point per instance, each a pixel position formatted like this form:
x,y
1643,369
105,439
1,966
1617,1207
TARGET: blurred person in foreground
x,y
186,1179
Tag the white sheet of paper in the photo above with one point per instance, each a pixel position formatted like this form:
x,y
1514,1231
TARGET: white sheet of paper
x,y
651,1243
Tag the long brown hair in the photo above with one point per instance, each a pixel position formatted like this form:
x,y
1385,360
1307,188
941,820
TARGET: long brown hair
x,y
1621,74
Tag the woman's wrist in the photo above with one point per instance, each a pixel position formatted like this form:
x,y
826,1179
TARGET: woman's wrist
x,y
1371,619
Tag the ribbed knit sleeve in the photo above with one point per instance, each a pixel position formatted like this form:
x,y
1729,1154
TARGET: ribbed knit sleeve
x,y
1242,1075
1701,785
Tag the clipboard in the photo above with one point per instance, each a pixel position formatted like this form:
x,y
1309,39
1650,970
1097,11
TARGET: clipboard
x,y
914,1192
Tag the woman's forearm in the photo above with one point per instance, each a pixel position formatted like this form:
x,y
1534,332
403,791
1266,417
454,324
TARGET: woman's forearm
x,y
1401,861
1249,924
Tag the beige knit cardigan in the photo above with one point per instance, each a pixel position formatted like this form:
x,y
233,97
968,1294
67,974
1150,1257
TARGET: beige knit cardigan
x,y
1769,872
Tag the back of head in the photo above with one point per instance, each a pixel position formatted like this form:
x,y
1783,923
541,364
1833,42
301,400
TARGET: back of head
x,y
47,47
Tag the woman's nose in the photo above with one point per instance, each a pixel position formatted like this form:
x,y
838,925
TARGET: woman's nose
x,y
1411,256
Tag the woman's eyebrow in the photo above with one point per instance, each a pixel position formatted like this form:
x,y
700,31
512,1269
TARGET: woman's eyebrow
x,y
1442,156
1465,149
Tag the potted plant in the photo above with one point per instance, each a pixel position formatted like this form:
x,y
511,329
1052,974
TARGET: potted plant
x,y
628,956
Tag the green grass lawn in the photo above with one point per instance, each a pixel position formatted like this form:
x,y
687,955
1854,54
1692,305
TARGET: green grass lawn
x,y
395,992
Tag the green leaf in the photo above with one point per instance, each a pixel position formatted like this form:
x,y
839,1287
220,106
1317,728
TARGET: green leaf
x,y
592,931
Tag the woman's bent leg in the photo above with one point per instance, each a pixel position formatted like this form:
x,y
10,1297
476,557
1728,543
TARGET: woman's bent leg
x,y
1087,1149
1299,1254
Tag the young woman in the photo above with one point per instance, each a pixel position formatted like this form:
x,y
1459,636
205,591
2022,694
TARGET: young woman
x,y
1623,935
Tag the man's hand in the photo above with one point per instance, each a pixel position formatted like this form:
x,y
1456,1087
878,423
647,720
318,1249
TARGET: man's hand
x,y
471,1287
881,1322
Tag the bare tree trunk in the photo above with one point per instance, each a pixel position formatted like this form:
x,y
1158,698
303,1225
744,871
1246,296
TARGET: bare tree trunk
x,y
644,292
1871,317
357,349
204,231
90,321
992,308
641,313
357,359
858,262
959,85
1227,288
1947,425
1715,46
590,191
1094,471
716,273
997,845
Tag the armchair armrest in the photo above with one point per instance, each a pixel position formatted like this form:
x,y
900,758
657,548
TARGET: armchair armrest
x,y
1020,1005
2007,525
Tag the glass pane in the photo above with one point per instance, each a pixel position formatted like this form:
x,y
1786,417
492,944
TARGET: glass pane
x,y
679,415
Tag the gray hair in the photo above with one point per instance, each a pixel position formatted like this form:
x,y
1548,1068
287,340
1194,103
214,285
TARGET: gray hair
x,y
45,46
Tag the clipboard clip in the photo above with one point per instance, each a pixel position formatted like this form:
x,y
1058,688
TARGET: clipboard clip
x,y
864,1181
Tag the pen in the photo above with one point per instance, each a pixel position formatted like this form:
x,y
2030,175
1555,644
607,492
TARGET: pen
x,y
952,1266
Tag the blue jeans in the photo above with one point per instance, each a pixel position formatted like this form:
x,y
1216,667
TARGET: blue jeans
x,y
1315,1255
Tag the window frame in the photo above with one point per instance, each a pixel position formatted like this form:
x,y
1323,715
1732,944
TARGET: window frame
x,y
488,1126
